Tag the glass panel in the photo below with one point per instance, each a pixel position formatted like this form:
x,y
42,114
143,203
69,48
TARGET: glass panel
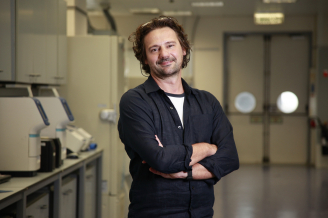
x,y
287,102
245,102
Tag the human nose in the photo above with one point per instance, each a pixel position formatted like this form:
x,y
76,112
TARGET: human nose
x,y
163,53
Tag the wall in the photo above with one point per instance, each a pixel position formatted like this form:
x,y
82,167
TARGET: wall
x,y
208,71
76,20
322,63
206,33
321,81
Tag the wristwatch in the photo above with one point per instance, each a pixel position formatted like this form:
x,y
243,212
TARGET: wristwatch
x,y
189,177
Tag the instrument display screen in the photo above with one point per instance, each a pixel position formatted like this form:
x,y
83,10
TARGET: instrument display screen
x,y
67,110
42,112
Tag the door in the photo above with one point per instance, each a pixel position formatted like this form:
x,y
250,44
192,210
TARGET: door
x,y
289,63
259,68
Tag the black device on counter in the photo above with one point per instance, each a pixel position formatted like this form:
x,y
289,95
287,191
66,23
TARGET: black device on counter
x,y
58,146
48,155
4,178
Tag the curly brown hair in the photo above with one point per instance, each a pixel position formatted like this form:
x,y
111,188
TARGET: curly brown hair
x,y
137,38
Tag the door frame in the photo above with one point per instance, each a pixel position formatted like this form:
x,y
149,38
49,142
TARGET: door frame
x,y
227,35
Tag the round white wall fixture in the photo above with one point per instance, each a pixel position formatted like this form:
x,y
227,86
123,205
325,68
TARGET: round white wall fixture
x,y
287,102
245,102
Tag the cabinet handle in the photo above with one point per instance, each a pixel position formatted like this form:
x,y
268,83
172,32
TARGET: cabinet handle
x,y
68,192
44,207
34,75
89,176
59,77
1,71
30,216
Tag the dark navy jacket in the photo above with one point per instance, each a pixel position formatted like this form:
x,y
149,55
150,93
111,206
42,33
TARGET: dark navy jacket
x,y
146,111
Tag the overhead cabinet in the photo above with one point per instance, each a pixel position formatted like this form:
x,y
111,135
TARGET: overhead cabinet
x,y
7,53
33,41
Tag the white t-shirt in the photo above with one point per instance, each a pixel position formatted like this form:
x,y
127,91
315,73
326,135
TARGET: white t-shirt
x,y
177,101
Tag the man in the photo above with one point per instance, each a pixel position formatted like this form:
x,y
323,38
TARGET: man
x,y
178,138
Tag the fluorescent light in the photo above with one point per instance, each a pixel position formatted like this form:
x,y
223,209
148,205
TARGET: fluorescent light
x,y
177,13
268,18
279,1
207,4
145,10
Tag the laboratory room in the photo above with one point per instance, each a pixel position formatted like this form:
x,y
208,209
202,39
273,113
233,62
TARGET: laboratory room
x,y
252,124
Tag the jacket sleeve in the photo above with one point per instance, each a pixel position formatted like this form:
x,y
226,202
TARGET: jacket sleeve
x,y
225,160
137,132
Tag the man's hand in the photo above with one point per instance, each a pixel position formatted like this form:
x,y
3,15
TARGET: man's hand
x,y
202,150
178,175
159,144
199,172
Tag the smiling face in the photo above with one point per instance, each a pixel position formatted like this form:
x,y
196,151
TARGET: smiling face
x,y
164,52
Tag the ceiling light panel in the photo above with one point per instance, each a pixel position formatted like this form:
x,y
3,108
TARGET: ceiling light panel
x,y
279,1
177,13
207,4
144,10
268,18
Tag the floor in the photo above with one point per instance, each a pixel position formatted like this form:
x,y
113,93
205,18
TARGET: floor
x,y
256,191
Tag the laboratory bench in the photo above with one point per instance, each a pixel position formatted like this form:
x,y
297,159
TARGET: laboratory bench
x,y
82,177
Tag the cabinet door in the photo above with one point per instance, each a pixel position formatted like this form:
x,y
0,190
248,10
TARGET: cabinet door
x,y
90,192
7,54
24,41
62,43
51,40
37,30
69,197
39,209
39,41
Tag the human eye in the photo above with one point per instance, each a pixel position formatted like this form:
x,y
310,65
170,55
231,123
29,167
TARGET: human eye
x,y
153,50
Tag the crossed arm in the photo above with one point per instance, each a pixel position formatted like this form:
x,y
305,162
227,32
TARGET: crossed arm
x,y
199,172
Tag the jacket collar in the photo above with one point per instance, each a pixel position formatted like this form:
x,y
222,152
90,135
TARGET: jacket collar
x,y
151,86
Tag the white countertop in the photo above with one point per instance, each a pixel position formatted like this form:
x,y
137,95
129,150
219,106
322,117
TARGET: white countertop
x,y
17,184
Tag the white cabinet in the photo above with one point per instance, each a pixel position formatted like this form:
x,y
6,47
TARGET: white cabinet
x,y
51,8
90,191
26,34
7,54
69,197
62,44
38,207
33,41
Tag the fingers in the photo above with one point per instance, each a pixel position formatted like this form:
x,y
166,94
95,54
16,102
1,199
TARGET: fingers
x,y
159,142
143,162
155,171
157,139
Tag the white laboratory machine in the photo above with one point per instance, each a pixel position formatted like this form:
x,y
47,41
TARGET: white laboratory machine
x,y
78,139
21,121
60,115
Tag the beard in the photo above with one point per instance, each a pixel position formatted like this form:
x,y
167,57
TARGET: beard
x,y
165,72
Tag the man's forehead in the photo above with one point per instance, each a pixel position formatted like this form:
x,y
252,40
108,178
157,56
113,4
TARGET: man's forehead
x,y
166,33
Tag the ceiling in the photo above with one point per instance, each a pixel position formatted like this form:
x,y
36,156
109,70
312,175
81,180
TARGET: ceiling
x,y
231,7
